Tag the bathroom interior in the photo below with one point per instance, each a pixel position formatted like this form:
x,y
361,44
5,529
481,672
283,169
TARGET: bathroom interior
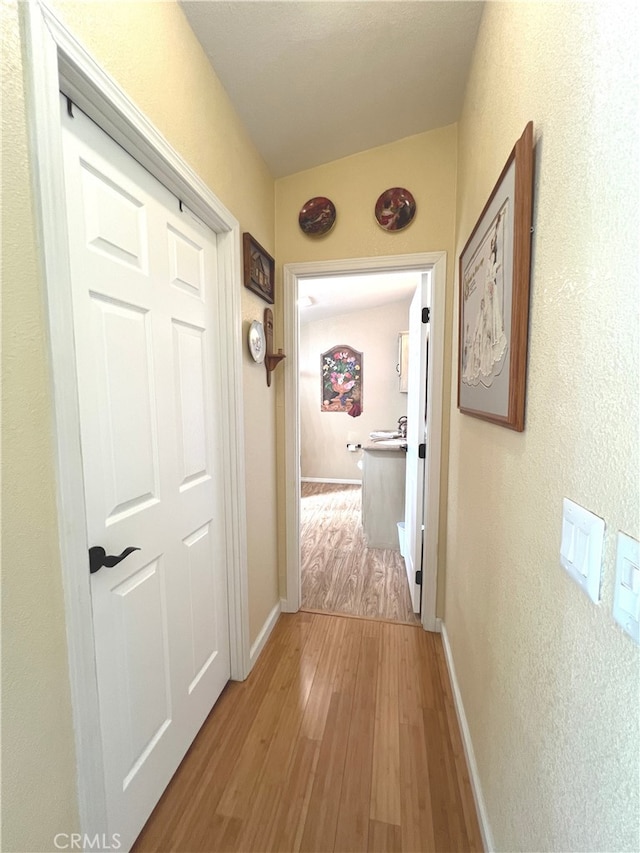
x,y
353,462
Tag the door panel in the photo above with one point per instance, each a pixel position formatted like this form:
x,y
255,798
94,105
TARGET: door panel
x,y
190,396
127,435
115,221
202,602
144,301
186,263
138,605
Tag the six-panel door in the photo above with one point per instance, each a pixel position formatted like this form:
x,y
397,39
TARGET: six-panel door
x,y
144,277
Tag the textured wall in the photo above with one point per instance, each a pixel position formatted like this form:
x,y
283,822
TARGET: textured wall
x,y
426,165
549,681
324,435
150,50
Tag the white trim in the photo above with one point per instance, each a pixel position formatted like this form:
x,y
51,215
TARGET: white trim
x,y
265,633
55,60
435,391
483,817
229,270
329,480
437,263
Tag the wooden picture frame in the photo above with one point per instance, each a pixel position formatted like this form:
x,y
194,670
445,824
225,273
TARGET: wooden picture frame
x,y
259,269
494,297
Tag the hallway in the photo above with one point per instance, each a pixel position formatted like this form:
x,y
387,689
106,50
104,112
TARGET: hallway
x,y
339,573
344,738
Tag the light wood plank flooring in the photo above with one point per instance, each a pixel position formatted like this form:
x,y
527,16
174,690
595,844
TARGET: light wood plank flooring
x,y
343,738
339,573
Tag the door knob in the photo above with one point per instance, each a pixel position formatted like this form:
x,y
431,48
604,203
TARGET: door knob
x,y
98,558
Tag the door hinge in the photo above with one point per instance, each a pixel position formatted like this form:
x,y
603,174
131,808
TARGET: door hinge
x,y
422,451
419,577
426,314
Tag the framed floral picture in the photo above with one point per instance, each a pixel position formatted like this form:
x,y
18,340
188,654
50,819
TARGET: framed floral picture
x,y
341,372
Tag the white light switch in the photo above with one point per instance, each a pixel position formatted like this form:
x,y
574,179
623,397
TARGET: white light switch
x,y
581,547
626,595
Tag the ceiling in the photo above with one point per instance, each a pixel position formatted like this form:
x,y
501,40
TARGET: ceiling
x,y
337,295
316,80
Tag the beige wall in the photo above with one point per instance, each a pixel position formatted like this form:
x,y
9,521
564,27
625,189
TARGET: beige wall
x,y
426,165
152,53
549,681
324,435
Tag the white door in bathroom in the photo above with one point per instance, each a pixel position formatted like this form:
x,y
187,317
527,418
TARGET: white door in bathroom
x,y
416,437
145,308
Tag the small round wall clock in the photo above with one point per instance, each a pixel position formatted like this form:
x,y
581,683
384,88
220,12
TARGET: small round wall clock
x,y
317,216
395,209
257,341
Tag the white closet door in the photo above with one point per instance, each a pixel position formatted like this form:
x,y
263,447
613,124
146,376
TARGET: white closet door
x,y
144,303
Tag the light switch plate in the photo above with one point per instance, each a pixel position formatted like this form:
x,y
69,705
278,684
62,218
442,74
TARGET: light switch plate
x,y
626,595
581,547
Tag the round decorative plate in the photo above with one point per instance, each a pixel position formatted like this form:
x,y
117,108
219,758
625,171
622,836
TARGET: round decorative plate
x,y
257,341
395,209
317,216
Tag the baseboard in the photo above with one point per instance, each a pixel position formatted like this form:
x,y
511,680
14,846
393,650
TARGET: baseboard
x,y
284,606
483,818
265,633
330,480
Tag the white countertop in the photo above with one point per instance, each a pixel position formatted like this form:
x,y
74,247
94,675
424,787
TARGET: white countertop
x,y
397,445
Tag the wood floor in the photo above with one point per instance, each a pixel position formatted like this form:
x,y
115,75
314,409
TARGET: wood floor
x,y
339,573
343,738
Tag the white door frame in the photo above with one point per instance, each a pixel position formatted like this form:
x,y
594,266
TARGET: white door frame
x,y
436,263
54,61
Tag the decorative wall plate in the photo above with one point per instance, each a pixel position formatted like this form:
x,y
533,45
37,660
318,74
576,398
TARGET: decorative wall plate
x,y
395,209
257,341
317,216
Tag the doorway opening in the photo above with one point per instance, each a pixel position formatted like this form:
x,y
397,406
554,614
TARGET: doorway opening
x,y
425,267
353,393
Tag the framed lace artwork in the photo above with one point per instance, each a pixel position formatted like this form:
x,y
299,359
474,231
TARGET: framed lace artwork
x,y
494,297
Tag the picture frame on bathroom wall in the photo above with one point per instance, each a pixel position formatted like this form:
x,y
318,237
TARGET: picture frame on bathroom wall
x,y
341,380
259,269
494,297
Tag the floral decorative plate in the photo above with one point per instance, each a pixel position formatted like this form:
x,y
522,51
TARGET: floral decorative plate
x,y
257,341
317,216
395,209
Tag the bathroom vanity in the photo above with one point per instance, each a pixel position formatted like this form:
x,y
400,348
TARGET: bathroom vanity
x,y
383,482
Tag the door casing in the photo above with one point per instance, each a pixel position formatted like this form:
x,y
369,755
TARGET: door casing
x,y
55,61
436,263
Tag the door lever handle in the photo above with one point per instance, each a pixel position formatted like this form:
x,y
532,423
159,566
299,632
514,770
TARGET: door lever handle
x,y
98,558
